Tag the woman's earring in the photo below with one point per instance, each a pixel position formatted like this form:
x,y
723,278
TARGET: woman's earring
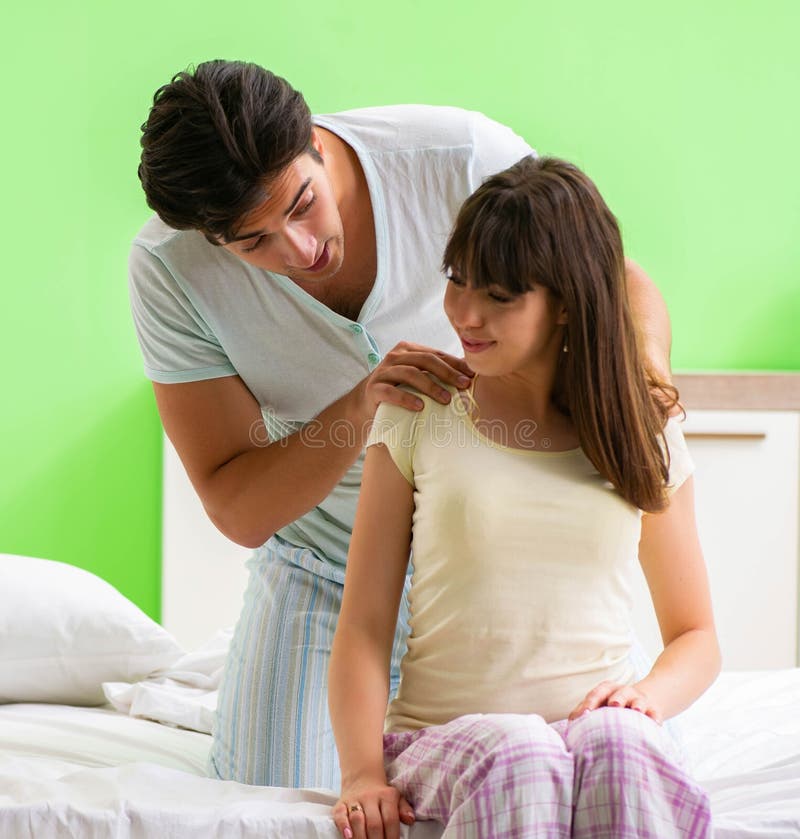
x,y
565,348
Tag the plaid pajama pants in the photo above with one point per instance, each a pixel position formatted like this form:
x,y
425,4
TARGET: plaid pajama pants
x,y
611,774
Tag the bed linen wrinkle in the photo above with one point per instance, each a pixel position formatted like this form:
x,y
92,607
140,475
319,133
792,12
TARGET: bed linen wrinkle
x,y
96,773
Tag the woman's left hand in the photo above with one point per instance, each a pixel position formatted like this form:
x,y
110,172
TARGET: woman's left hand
x,y
618,696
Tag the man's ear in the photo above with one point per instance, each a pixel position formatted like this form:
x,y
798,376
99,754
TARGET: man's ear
x,y
316,142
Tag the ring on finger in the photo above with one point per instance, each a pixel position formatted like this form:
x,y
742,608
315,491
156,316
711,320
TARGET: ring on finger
x,y
355,808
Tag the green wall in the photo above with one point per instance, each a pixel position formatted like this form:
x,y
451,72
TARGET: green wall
x,y
685,114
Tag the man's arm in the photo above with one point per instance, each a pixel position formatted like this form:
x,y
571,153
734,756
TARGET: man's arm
x,y
651,318
251,487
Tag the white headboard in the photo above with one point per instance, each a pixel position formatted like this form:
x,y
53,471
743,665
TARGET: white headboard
x,y
203,576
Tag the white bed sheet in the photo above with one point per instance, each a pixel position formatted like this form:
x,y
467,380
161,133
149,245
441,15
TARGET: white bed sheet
x,y
743,740
96,773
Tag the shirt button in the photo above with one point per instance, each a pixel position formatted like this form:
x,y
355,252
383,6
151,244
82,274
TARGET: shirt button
x,y
373,358
356,327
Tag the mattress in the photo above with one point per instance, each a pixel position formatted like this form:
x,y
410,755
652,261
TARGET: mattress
x,y
96,773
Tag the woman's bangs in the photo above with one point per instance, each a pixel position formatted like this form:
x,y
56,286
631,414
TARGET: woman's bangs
x,y
498,254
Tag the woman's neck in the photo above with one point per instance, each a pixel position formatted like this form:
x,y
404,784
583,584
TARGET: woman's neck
x,y
523,402
527,392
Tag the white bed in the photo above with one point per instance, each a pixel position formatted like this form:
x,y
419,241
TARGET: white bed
x,y
101,772
67,770
95,773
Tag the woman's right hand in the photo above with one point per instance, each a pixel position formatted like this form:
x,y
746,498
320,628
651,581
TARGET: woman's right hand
x,y
371,810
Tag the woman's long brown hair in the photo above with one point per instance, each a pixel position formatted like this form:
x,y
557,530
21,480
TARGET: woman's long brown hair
x,y
543,222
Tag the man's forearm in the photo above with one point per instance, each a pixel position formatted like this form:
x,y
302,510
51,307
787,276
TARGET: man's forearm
x,y
267,487
251,486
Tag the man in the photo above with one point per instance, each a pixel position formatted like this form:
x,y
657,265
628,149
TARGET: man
x,y
291,283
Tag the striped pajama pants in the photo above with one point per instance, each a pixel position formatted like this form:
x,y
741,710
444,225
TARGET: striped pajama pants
x,y
611,774
272,726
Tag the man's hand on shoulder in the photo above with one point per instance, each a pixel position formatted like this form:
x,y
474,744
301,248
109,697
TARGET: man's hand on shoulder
x,y
420,367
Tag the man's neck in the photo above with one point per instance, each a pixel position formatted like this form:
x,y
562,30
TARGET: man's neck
x,y
351,192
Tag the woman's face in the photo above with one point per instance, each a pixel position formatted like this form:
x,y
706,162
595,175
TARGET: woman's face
x,y
502,334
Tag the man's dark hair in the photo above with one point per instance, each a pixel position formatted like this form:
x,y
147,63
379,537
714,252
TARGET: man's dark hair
x,y
214,139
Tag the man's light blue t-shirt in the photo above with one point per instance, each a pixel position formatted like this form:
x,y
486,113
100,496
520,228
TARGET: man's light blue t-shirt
x,y
201,313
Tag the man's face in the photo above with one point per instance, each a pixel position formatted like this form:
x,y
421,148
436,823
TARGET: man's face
x,y
298,230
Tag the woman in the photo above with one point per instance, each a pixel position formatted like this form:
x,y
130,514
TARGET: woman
x,y
525,502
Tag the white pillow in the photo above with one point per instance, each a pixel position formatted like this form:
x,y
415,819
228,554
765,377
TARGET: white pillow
x,y
64,631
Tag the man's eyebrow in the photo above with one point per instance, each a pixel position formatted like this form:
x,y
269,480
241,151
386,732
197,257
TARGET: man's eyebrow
x,y
253,233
